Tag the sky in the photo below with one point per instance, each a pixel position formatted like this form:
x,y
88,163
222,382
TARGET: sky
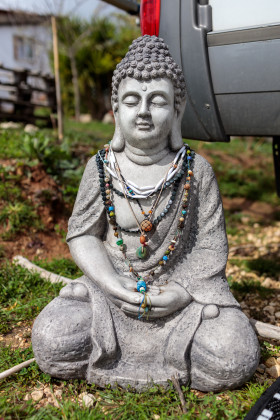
x,y
82,8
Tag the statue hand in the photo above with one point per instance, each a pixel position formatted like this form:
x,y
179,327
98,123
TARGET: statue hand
x,y
172,298
121,292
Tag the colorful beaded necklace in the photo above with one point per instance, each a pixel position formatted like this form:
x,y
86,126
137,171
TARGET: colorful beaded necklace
x,y
106,188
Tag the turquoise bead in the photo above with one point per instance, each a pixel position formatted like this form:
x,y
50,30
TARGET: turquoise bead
x,y
165,257
141,286
141,252
184,212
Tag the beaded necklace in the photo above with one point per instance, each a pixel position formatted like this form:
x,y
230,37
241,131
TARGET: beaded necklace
x,y
106,191
130,189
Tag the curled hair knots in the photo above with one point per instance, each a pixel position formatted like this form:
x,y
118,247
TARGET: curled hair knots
x,y
148,57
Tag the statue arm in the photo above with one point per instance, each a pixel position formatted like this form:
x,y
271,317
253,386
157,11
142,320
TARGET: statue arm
x,y
202,271
91,257
86,230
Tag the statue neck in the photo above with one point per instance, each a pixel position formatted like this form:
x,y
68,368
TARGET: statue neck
x,y
148,156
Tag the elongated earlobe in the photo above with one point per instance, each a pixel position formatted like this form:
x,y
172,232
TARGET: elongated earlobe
x,y
175,139
117,142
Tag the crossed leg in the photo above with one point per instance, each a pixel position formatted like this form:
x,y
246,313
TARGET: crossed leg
x,y
61,337
224,353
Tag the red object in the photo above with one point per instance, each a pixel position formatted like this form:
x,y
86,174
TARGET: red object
x,y
150,17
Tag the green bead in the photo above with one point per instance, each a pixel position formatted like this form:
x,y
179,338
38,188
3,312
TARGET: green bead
x,y
141,252
119,242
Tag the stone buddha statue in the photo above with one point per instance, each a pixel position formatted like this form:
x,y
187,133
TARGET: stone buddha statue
x,y
148,232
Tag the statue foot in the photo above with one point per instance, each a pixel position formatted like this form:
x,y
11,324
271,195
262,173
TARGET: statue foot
x,y
75,291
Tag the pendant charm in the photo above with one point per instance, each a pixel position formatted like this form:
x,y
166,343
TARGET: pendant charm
x,y
141,252
141,286
146,225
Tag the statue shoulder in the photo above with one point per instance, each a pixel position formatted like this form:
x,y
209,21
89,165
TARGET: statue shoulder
x,y
202,166
91,167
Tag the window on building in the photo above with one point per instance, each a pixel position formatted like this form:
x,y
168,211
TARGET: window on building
x,y
24,48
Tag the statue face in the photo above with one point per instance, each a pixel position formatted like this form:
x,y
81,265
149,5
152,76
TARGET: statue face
x,y
146,111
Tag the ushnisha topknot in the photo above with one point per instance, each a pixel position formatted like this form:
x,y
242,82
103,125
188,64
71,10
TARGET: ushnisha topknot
x,y
148,57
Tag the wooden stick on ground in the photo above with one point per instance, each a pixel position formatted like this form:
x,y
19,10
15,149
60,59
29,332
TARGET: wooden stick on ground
x,y
175,381
16,368
265,330
53,278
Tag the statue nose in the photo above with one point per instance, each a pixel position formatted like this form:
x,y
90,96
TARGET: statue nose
x,y
144,110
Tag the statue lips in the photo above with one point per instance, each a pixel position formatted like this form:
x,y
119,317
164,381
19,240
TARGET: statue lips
x,y
144,125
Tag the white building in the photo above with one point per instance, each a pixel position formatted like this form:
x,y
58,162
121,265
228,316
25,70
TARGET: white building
x,y
25,41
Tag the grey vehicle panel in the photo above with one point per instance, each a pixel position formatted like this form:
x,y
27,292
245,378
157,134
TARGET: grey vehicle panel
x,y
247,113
195,22
183,25
263,33
246,67
226,73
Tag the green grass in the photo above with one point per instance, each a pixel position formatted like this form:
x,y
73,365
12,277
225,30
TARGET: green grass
x,y
251,177
23,295
19,217
249,286
93,132
114,403
262,266
63,266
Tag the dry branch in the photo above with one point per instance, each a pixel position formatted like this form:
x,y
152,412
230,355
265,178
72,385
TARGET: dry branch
x,y
265,330
16,368
175,381
53,278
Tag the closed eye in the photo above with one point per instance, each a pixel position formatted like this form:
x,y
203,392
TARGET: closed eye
x,y
131,100
159,100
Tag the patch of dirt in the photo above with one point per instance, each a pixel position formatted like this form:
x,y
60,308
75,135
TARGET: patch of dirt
x,y
19,337
44,193
257,209
41,244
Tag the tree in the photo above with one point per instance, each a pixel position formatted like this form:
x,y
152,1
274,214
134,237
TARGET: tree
x,y
89,53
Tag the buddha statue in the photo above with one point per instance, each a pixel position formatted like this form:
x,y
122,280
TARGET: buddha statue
x,y
148,232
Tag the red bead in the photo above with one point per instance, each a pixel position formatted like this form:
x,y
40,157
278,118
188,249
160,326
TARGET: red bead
x,y
143,239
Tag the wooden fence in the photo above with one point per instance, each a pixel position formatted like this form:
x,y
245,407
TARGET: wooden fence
x,y
23,92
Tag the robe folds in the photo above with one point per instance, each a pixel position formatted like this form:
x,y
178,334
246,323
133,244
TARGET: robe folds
x,y
129,351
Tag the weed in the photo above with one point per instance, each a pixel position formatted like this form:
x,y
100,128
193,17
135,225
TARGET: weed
x,y
248,286
262,266
2,251
17,217
269,350
61,232
9,191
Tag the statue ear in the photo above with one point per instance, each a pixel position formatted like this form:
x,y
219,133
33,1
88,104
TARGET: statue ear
x,y
175,139
117,142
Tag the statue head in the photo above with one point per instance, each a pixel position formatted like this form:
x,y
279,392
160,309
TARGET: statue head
x,y
149,76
